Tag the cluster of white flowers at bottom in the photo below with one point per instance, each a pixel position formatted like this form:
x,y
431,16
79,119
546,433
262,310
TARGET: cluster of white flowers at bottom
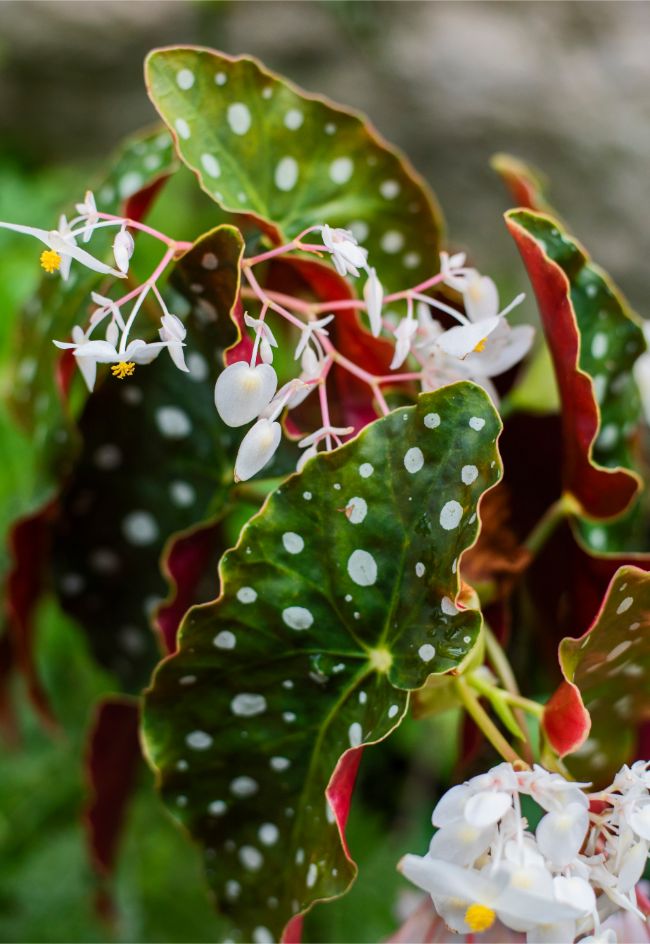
x,y
580,866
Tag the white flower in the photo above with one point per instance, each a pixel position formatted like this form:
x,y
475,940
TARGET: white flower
x,y
603,937
347,255
404,333
87,365
123,246
88,212
311,329
304,458
264,337
461,340
373,294
105,307
256,449
448,269
560,834
242,392
480,297
61,249
89,353
311,371
173,332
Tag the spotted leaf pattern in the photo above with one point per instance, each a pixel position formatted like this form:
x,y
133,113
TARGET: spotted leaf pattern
x,y
339,599
261,146
41,375
595,713
594,340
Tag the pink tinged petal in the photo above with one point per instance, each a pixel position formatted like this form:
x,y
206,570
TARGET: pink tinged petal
x,y
373,294
560,834
481,298
461,842
484,809
242,392
463,339
256,449
60,245
123,247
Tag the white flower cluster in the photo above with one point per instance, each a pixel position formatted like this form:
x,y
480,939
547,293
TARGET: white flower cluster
x,y
116,348
580,866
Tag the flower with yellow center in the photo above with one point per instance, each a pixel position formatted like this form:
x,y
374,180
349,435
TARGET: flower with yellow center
x,y
123,369
479,918
50,260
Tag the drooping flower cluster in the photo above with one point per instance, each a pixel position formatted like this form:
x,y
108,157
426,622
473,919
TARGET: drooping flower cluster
x,y
555,884
479,347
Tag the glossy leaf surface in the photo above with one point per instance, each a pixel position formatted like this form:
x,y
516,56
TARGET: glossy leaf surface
x,y
594,341
337,601
606,676
261,146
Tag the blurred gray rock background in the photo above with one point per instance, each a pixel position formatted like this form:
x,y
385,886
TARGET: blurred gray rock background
x,y
564,85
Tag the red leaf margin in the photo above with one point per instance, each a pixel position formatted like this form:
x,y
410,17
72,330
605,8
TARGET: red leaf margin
x,y
602,493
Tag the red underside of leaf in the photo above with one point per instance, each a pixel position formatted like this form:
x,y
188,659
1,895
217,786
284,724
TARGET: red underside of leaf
x,y
29,542
603,493
112,759
185,565
566,720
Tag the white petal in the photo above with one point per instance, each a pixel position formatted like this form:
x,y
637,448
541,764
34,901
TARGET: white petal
x,y
101,351
484,809
634,863
142,353
503,349
373,294
64,248
112,333
552,933
451,804
460,842
305,457
574,891
88,368
177,354
266,351
561,834
257,447
639,820
439,877
41,234
481,298
461,340
242,392
173,328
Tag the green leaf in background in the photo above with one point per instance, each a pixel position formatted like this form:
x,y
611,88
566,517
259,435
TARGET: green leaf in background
x,y
338,599
35,385
259,145
595,340
606,673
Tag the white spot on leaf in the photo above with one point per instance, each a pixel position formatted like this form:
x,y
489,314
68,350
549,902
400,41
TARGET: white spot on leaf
x,y
362,568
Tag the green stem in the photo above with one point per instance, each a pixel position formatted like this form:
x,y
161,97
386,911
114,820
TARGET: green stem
x,y
484,722
503,669
564,507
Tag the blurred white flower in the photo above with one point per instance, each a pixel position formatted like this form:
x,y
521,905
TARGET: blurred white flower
x,y
348,257
373,294
123,247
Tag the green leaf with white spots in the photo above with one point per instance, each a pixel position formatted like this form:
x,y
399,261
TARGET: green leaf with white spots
x,y
337,601
36,383
607,673
259,145
595,339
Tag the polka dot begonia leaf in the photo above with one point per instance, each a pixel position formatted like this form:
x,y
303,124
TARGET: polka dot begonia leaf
x,y
595,714
261,146
338,599
137,171
594,340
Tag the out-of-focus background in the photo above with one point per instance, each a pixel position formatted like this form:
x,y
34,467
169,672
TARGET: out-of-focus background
x,y
565,86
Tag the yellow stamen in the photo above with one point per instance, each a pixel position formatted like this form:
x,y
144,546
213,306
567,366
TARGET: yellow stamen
x,y
123,369
50,260
479,918
480,346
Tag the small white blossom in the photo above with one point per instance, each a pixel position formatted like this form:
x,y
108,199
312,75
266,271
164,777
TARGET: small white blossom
x,y
61,249
348,257
404,334
449,269
88,212
310,330
173,331
242,392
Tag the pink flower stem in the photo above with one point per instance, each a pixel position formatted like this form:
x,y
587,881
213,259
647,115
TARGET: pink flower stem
x,y
267,299
135,224
399,378
141,292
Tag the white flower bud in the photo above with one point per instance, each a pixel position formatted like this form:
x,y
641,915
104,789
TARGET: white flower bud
x,y
123,247
373,294
257,447
242,392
